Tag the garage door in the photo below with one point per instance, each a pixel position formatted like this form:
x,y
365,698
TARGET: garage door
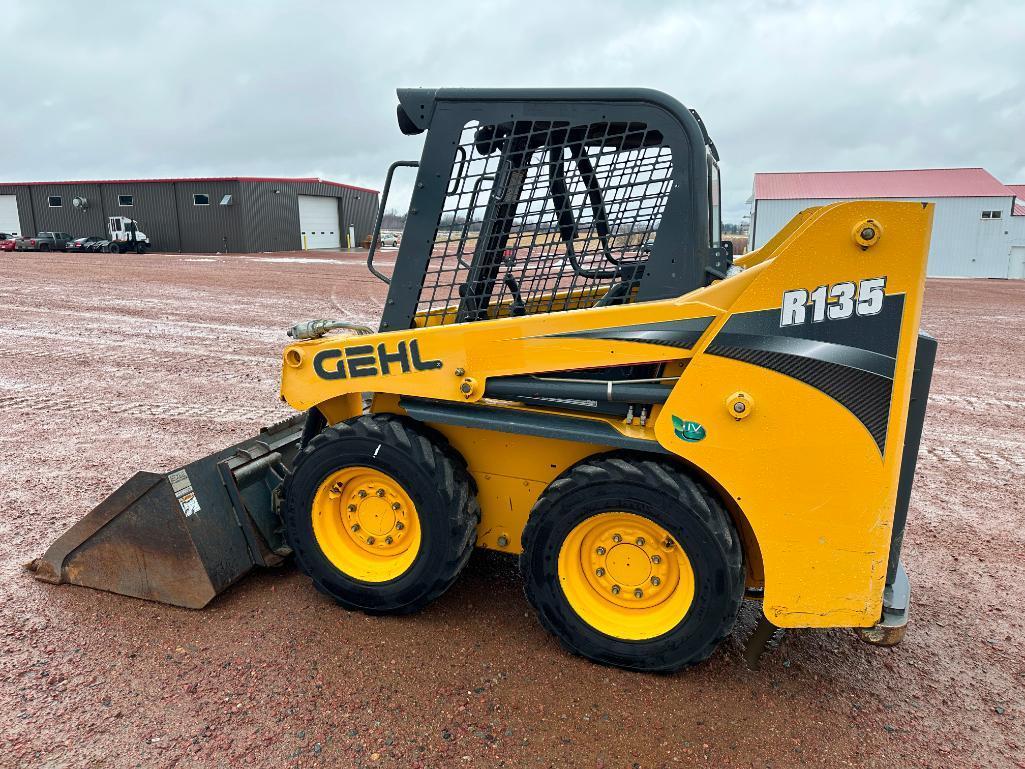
x,y
318,222
9,215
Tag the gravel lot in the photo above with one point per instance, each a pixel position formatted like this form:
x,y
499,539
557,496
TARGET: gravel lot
x,y
112,364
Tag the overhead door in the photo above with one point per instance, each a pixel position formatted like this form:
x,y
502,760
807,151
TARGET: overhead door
x,y
318,222
9,215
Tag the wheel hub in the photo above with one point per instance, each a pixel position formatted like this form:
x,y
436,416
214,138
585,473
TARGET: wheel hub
x,y
625,575
376,513
366,523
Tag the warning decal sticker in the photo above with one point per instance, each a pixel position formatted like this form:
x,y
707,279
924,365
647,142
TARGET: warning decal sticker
x,y
182,487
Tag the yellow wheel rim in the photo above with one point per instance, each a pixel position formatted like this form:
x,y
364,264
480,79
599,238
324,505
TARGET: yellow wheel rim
x,y
625,576
366,524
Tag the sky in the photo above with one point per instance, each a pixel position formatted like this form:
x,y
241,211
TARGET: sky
x,y
301,88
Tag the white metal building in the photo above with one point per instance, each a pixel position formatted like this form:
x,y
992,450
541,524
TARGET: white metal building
x,y
978,226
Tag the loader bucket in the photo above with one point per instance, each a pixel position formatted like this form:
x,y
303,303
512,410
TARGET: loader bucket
x,y
182,537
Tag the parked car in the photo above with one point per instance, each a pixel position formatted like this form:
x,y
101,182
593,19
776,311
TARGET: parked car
x,y
43,241
83,244
6,241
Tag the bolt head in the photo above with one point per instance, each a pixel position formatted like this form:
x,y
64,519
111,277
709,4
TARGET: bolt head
x,y
600,551
380,492
868,233
740,407
503,540
599,572
656,581
617,538
640,542
362,493
615,590
355,527
400,525
638,593
460,371
395,505
388,540
371,540
352,508
466,388
656,559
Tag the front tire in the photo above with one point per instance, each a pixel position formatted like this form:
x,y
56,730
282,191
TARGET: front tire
x,y
632,563
113,248
380,515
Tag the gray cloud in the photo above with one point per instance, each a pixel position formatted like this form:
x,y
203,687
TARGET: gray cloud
x,y
307,88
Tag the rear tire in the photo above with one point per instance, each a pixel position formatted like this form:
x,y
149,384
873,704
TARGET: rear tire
x,y
649,605
113,248
337,510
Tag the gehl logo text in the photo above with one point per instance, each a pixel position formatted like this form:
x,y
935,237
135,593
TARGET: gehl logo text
x,y
366,360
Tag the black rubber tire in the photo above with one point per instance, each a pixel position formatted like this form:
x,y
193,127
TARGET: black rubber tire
x,y
435,478
113,248
44,247
676,502
140,248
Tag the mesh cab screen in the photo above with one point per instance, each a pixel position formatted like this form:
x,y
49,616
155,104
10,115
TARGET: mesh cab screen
x,y
545,216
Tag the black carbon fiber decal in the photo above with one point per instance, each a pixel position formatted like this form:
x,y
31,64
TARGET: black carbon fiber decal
x,y
670,333
864,394
851,360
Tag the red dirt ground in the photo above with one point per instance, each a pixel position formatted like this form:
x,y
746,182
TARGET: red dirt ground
x,y
112,364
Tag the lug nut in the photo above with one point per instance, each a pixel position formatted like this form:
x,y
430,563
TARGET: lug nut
x,y
395,505
600,551
355,527
615,590
638,593
868,233
667,543
400,525
371,540
600,572
655,581
640,542
362,493
352,508
616,538
380,492
503,541
388,540
656,559
740,407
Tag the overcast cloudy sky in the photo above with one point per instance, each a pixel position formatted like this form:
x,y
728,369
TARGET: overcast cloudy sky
x,y
186,88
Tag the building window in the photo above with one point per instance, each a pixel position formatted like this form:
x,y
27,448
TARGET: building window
x,y
126,200
200,199
54,201
990,214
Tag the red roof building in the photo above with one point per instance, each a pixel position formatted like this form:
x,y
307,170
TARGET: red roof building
x,y
978,222
916,183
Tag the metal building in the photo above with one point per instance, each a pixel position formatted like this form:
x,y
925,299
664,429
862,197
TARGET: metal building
x,y
206,215
978,225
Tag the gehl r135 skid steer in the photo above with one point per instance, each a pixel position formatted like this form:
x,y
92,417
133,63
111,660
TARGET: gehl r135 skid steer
x,y
572,367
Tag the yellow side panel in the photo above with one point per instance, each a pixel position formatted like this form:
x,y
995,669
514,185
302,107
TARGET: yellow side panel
x,y
811,480
511,471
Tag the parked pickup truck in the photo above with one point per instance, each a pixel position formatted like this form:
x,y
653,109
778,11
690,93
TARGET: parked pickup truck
x,y
44,241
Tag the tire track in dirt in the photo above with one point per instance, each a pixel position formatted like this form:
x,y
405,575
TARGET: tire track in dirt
x,y
38,400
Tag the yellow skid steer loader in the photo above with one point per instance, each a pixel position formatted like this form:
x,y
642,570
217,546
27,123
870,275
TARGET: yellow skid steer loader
x,y
572,367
